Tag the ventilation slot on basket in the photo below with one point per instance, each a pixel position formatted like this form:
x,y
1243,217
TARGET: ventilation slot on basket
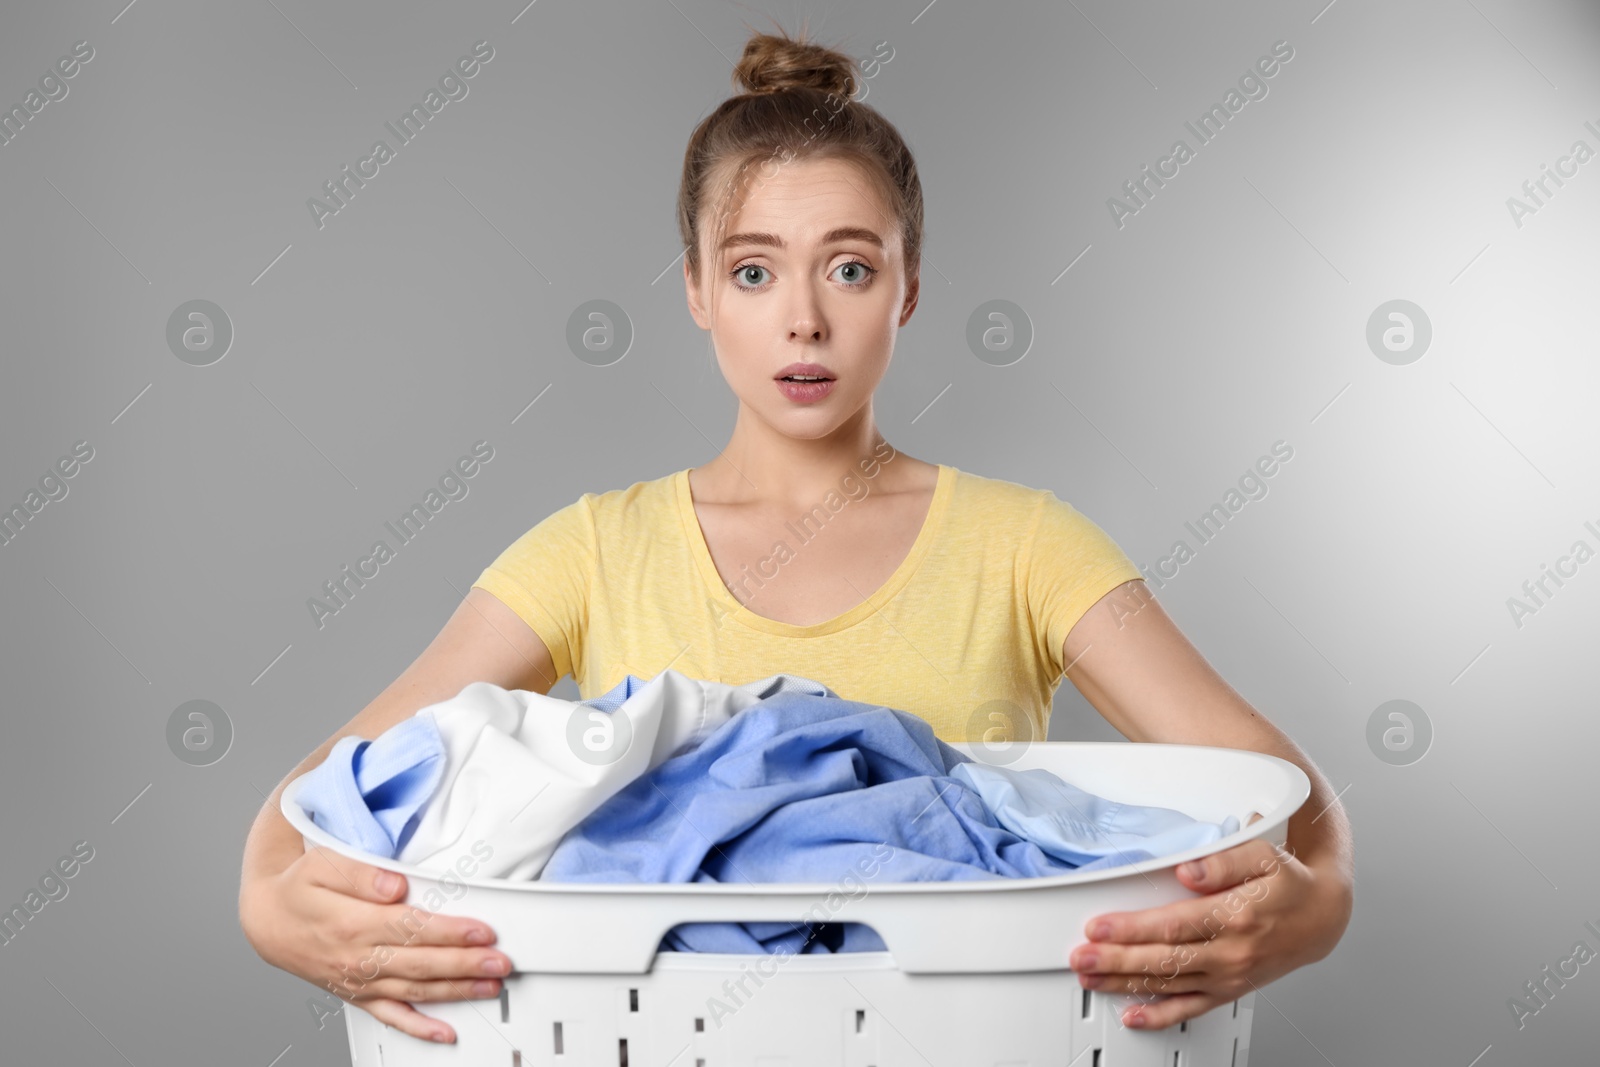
x,y
1177,1059
1236,1009
1095,1060
516,1057
505,1004
1183,1027
622,1053
1235,1061
1086,1002
861,1017
558,1038
633,1000
699,1025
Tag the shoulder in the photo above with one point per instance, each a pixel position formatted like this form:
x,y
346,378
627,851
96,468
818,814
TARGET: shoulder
x,y
1000,496
643,503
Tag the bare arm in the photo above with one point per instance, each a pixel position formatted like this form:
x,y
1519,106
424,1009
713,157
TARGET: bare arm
x,y
484,640
1130,660
1135,666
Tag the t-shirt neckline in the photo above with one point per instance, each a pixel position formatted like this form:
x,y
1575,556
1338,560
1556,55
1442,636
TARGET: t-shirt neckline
x,y
723,596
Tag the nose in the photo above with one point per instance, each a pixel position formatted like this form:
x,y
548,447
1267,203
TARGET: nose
x,y
806,320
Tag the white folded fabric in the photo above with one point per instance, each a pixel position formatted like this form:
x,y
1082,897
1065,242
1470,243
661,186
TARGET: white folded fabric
x,y
522,769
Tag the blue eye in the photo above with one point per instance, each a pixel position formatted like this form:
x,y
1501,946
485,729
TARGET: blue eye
x,y
860,268
740,270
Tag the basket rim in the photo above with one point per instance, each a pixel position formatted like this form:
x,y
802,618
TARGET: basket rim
x,y
1296,789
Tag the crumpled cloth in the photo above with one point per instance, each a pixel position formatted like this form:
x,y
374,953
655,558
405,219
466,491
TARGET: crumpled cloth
x,y
803,788
508,772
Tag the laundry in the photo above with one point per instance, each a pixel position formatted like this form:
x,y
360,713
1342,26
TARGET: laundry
x,y
512,769
679,780
1080,828
808,789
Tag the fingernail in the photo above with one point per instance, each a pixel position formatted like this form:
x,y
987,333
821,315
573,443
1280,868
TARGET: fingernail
x,y
388,883
1134,1018
1100,931
1088,961
483,989
493,965
439,1036
477,936
1194,870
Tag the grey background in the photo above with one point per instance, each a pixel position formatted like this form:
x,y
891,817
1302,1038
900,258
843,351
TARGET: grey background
x,y
368,355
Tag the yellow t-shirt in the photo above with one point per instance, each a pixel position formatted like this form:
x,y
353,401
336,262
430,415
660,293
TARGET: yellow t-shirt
x,y
966,633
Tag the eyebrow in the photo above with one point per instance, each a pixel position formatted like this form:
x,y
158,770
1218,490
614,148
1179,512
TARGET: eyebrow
x,y
842,233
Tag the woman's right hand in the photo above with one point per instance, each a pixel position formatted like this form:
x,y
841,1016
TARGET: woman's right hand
x,y
324,919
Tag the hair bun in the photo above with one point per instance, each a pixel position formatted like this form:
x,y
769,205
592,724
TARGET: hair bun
x,y
771,64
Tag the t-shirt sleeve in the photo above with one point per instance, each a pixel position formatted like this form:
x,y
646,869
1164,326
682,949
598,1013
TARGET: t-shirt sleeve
x,y
544,577
1072,563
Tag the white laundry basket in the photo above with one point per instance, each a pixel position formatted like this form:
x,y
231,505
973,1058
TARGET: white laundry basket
x,y
975,973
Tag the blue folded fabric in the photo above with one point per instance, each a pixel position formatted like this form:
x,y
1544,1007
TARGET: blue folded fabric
x,y
368,793
801,788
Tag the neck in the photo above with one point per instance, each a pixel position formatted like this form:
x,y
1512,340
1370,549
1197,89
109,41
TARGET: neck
x,y
763,466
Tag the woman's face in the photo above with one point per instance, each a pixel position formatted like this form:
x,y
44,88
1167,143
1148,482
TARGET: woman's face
x,y
825,297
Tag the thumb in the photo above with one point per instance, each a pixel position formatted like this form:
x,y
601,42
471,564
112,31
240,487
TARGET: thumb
x,y
1219,868
357,879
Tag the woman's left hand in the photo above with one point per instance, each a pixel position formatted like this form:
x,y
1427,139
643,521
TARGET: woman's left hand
x,y
1184,959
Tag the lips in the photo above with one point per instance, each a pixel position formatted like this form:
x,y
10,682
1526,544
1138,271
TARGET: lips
x,y
804,370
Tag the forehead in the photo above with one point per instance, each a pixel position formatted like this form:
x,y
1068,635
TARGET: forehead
x,y
800,201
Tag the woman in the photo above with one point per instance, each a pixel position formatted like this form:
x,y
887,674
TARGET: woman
x,y
810,545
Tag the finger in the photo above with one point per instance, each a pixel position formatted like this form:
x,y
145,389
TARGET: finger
x,y
415,991
334,870
1160,1014
1195,919
399,923
404,1017
407,924
426,962
1132,963
1147,984
1228,867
